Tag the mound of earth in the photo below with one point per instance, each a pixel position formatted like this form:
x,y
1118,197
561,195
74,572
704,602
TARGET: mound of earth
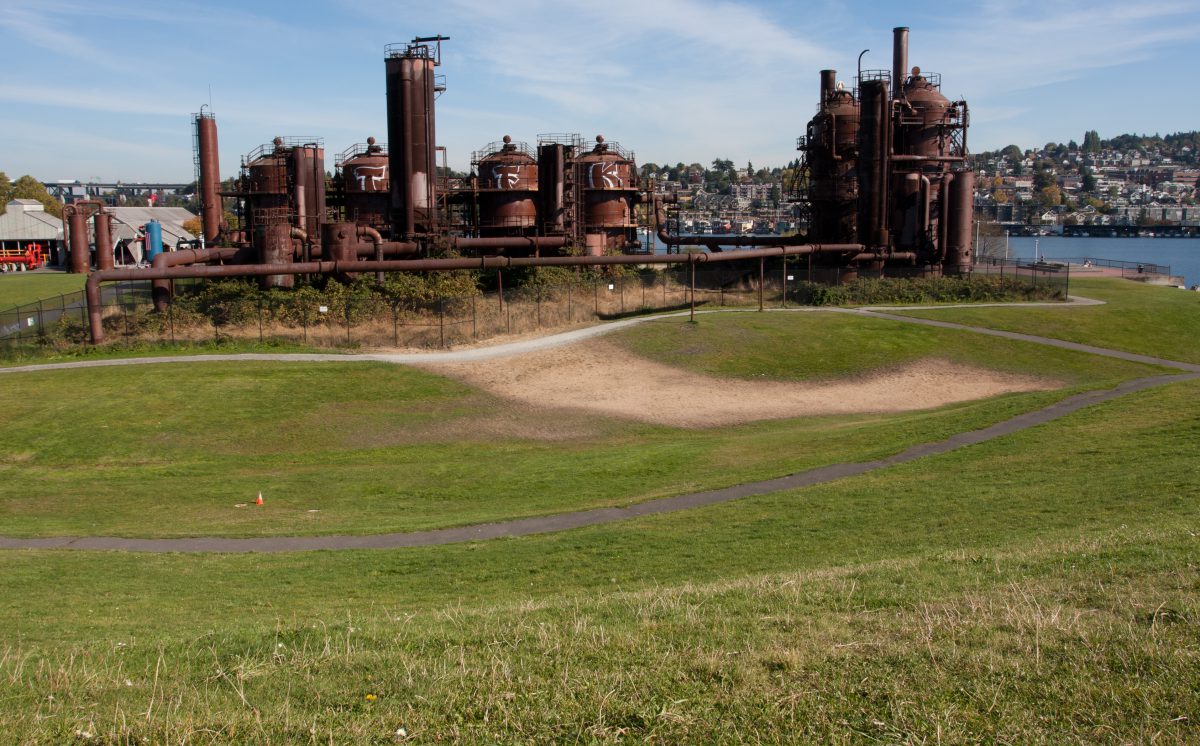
x,y
603,378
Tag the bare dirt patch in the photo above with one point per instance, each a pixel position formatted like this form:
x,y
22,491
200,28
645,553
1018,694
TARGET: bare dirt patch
x,y
602,378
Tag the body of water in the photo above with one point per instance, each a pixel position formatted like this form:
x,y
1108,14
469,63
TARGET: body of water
x,y
1182,255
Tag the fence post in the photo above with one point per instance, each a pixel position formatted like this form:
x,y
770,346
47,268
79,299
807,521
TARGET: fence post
x,y
692,266
171,321
539,306
41,323
721,285
474,327
622,282
783,276
442,320
761,277
596,295
125,315
395,325
569,317
347,323
260,321
304,323
500,288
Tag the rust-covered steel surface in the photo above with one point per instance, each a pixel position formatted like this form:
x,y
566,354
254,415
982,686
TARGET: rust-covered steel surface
x,y
872,166
366,186
883,162
75,223
899,59
960,233
412,138
308,183
275,250
210,175
102,225
508,188
831,150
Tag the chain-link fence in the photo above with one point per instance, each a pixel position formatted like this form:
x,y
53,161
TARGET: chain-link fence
x,y
361,317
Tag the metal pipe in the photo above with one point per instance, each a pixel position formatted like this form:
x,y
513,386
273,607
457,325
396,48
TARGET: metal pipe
x,y
102,227
75,234
899,59
903,158
162,290
828,85
944,217
376,239
210,176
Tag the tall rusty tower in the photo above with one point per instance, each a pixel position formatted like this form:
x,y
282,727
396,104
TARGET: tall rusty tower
x,y
412,153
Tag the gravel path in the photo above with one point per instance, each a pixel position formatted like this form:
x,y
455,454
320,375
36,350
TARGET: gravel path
x,y
577,519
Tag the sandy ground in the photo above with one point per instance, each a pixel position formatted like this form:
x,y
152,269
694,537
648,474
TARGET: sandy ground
x,y
603,378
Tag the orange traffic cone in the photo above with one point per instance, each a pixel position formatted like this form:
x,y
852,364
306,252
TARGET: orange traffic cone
x,y
259,500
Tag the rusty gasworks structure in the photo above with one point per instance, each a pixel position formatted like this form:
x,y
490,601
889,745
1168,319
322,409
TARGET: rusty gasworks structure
x,y
884,188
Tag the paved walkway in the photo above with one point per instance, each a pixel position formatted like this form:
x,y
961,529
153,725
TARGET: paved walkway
x,y
577,519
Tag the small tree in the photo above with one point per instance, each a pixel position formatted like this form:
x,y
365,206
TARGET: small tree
x,y
28,187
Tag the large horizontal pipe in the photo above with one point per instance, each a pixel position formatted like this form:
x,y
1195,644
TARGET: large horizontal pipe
x,y
429,265
928,158
516,242
161,289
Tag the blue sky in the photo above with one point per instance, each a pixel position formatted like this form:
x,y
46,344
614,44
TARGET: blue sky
x,y
105,90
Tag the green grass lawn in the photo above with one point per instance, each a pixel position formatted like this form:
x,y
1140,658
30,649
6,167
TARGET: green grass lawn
x,y
171,450
1139,318
1037,588
17,288
1042,587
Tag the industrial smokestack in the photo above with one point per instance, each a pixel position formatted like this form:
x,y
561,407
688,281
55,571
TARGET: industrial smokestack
x,y
828,85
209,176
899,59
412,141
873,163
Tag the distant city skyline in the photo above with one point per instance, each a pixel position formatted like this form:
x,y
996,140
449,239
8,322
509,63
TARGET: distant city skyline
x,y
106,92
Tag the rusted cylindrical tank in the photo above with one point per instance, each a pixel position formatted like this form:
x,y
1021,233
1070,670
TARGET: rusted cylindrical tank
x,y
412,141
609,179
275,244
873,163
508,189
830,151
366,186
211,210
267,186
78,241
102,225
922,130
960,223
308,185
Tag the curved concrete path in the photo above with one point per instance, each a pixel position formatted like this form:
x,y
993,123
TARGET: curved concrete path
x,y
577,519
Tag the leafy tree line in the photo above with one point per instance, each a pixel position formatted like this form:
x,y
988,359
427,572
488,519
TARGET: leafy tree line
x,y
26,187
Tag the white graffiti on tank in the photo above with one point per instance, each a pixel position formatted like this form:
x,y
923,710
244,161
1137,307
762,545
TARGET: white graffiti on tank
x,y
610,176
506,177
374,175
